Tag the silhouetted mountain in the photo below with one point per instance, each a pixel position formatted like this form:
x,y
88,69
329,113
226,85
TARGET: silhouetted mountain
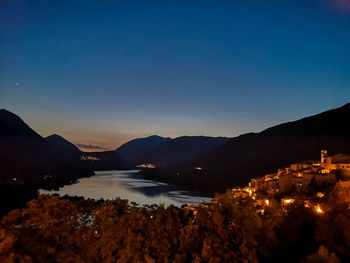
x,y
61,142
256,154
12,125
134,149
108,160
28,162
181,149
28,157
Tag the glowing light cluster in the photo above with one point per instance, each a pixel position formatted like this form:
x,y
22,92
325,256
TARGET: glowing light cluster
x,y
146,165
288,201
89,158
320,195
318,209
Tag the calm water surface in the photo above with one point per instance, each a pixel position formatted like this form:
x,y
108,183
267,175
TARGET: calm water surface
x,y
129,185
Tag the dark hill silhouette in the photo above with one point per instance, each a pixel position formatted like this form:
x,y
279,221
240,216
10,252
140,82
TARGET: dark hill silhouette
x,y
28,162
329,123
107,160
28,157
256,154
181,149
134,149
61,142
12,125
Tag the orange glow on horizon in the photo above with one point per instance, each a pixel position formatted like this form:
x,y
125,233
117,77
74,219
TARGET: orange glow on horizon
x,y
83,149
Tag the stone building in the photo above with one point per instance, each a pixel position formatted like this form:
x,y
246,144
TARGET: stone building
x,y
300,175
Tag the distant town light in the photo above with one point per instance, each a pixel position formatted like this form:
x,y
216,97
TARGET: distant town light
x,y
288,201
320,195
198,168
261,211
318,209
249,190
307,204
267,202
89,158
146,165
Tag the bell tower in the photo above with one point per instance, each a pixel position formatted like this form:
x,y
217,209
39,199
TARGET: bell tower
x,y
324,155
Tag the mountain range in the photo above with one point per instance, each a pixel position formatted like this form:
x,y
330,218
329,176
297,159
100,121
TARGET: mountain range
x,y
134,149
29,162
28,157
255,154
221,162
181,149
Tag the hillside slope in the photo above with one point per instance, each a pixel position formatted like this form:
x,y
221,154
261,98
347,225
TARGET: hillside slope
x,y
255,154
28,157
12,125
61,142
134,149
181,149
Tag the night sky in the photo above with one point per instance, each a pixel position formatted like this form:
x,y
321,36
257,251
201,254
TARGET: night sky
x,y
104,72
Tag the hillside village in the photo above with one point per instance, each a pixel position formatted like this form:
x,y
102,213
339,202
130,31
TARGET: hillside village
x,y
299,176
292,184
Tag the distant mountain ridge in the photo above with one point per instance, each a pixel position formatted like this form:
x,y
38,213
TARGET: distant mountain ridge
x,y
61,142
28,157
256,154
181,149
106,160
132,150
29,162
329,123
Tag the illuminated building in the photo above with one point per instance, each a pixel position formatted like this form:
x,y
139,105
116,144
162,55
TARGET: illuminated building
x,y
89,158
318,209
320,195
300,175
146,165
287,201
324,154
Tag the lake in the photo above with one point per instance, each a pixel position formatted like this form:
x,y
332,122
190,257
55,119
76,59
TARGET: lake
x,y
129,185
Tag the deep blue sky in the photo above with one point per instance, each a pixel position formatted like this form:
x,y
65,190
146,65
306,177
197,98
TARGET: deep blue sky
x,y
103,72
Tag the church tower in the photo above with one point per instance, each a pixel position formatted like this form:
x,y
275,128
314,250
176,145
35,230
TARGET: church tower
x,y
324,155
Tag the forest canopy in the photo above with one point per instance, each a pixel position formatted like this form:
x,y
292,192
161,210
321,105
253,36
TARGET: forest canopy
x,y
228,229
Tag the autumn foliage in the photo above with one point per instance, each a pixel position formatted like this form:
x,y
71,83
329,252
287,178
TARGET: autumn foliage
x,y
229,229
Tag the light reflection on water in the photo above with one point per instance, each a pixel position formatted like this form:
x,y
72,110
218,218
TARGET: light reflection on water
x,y
129,185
